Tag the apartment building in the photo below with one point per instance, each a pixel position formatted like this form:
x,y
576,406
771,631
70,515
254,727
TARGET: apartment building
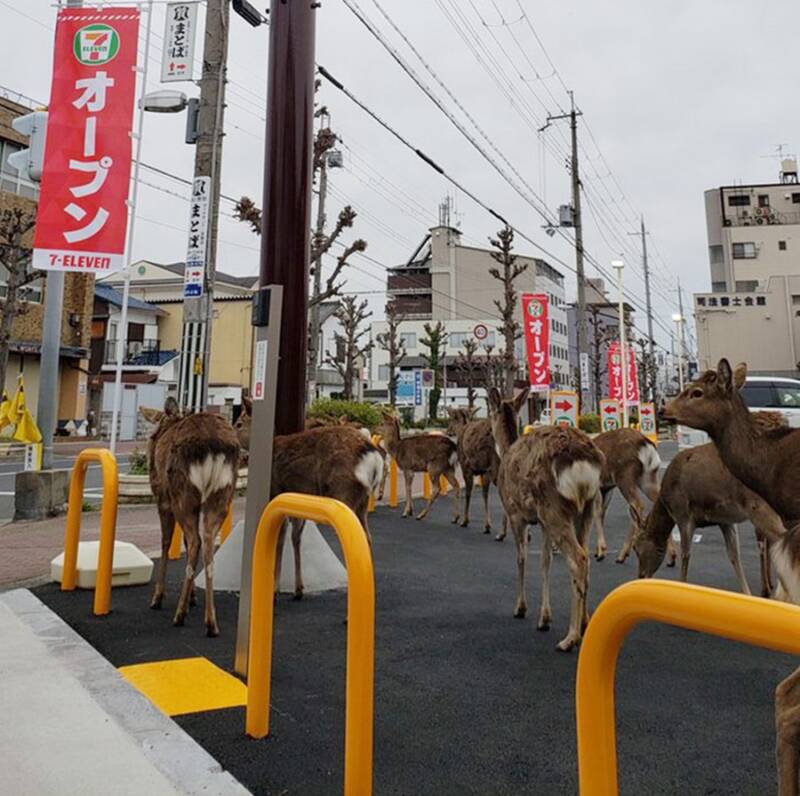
x,y
752,313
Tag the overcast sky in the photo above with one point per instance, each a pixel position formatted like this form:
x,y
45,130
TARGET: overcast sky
x,y
679,97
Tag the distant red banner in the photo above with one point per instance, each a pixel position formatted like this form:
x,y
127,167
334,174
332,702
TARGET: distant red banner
x,y
536,317
83,213
615,374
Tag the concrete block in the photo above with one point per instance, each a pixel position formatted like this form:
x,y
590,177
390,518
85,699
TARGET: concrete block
x,y
39,494
131,566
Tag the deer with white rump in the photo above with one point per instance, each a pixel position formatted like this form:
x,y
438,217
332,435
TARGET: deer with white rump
x,y
550,477
768,463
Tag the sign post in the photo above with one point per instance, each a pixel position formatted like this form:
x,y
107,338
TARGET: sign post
x,y
564,408
609,414
647,421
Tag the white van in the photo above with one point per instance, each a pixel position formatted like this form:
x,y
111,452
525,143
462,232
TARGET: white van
x,y
775,393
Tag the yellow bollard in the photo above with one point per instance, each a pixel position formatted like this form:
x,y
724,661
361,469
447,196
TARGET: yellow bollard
x,y
108,526
373,499
426,485
765,623
444,484
393,476
177,543
528,429
227,526
360,675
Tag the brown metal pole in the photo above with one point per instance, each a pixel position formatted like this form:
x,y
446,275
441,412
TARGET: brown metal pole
x,y
287,194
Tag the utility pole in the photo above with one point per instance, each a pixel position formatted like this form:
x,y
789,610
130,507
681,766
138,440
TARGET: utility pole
x,y
577,222
683,324
198,311
651,340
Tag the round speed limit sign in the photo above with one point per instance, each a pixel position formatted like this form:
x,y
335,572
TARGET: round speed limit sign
x,y
480,331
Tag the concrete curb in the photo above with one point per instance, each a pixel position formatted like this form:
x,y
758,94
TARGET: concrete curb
x,y
183,762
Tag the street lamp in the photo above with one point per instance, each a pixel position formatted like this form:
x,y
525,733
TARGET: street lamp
x,y
678,319
619,267
164,101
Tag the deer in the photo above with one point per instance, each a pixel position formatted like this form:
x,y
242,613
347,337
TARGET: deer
x,y
632,465
768,463
698,491
334,461
435,454
552,477
476,455
193,463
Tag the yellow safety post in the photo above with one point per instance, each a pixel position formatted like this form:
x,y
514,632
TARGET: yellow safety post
x,y
373,498
227,526
444,485
528,429
426,485
765,623
177,543
108,525
393,477
359,693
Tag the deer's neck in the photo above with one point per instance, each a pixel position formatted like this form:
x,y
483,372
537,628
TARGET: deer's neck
x,y
391,437
741,447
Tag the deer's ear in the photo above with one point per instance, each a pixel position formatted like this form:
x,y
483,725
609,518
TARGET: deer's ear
x,y
247,403
452,411
473,412
740,375
520,398
151,415
494,398
171,408
725,376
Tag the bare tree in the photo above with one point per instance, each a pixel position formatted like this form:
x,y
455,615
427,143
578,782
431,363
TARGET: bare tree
x,y
348,343
470,368
435,341
15,257
493,366
508,271
394,345
647,367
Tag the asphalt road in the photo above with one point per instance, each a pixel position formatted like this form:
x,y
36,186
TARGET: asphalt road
x,y
470,700
12,465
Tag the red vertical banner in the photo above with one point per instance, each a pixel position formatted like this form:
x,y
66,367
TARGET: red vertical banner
x,y
82,220
536,318
615,375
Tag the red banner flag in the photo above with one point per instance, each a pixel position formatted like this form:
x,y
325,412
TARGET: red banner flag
x,y
83,213
536,318
615,374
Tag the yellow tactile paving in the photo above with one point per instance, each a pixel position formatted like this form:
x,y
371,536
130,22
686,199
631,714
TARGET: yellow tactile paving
x,y
186,685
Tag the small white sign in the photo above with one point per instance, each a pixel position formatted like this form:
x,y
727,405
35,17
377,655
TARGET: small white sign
x,y
586,380
260,371
198,234
33,459
179,34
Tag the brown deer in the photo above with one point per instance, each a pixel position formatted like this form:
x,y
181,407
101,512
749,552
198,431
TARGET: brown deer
x,y
632,465
193,465
698,491
551,477
768,462
435,454
476,455
333,461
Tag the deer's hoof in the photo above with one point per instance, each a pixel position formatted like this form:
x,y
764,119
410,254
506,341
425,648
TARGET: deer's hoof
x,y
520,611
192,600
487,528
212,631
179,620
455,519
621,560
420,517
464,523
567,644
599,556
501,537
155,603
298,595
671,563
544,625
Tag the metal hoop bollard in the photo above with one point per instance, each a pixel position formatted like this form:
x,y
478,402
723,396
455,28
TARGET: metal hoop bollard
x,y
360,628
108,526
765,623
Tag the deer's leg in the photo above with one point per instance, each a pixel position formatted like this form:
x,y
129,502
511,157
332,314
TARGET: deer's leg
x,y
469,477
279,557
545,614
193,590
216,509
765,564
636,510
501,537
382,487
167,519
602,544
687,532
578,563
672,551
485,486
731,536
435,492
520,528
450,475
408,477
190,522
787,731
297,533
583,527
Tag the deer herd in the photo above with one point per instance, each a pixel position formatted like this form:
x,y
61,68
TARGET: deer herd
x,y
555,477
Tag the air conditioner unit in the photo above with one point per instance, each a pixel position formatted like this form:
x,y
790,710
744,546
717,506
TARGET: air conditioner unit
x,y
135,348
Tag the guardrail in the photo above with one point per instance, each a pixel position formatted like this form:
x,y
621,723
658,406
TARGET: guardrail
x,y
360,674
108,525
765,623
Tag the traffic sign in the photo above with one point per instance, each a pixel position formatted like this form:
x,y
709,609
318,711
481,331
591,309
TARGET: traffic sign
x,y
609,414
480,331
647,421
564,408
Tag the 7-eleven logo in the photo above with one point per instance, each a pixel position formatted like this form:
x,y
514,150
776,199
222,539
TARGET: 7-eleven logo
x,y
96,44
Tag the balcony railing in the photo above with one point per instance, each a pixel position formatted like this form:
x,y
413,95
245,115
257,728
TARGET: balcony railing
x,y
134,352
767,218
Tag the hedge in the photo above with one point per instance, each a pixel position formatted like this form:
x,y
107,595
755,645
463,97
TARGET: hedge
x,y
369,415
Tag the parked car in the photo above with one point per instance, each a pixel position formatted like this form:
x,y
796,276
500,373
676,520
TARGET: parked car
x,y
776,393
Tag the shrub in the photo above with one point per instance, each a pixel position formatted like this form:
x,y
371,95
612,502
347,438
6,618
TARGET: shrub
x,y
139,464
590,423
368,415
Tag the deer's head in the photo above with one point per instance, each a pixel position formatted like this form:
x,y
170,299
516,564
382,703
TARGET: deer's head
x,y
649,546
242,425
503,414
162,419
391,421
709,402
459,418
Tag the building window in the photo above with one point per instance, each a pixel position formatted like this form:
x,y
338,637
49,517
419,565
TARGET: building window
x,y
763,200
739,200
796,198
715,255
782,245
457,339
744,251
410,339
383,373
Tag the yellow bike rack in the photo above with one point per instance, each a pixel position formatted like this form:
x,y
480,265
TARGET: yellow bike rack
x,y
765,623
360,628
108,525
